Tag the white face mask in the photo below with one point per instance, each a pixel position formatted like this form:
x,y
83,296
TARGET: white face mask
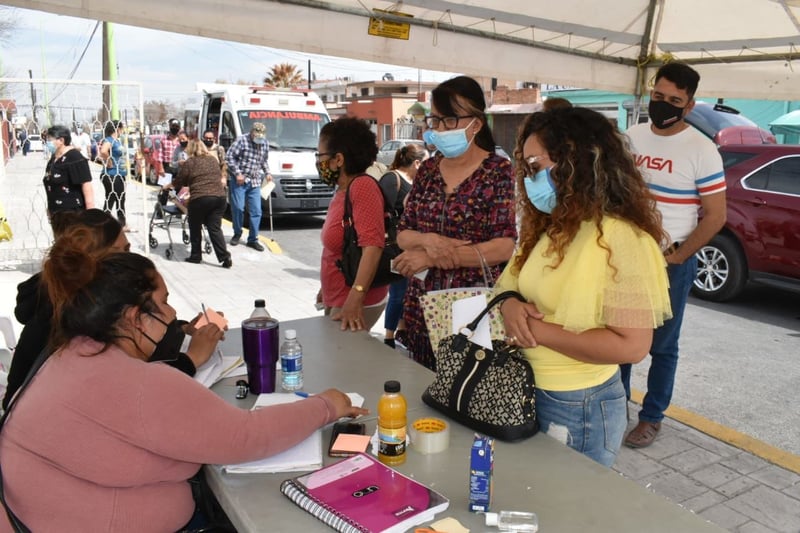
x,y
452,143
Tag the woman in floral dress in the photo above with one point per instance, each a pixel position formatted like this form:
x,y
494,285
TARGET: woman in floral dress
x,y
460,210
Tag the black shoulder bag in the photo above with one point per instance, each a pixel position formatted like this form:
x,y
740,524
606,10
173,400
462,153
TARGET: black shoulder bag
x,y
351,252
491,391
16,523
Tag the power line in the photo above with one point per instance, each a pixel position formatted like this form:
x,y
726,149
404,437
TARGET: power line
x,y
78,64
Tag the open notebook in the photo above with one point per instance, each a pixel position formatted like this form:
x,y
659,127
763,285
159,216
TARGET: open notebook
x,y
361,494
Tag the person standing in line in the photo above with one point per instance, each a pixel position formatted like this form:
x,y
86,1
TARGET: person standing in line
x,y
68,179
167,148
460,211
200,172
83,142
395,185
218,151
179,155
346,149
684,171
24,142
248,167
112,155
591,271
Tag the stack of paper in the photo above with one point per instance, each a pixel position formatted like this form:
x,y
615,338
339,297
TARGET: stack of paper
x,y
306,455
219,366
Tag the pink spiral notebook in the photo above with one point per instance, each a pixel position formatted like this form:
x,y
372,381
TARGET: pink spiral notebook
x,y
361,494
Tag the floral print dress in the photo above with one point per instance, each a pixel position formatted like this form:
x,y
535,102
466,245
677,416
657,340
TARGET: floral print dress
x,y
480,208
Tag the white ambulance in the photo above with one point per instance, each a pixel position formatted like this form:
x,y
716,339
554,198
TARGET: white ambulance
x,y
293,120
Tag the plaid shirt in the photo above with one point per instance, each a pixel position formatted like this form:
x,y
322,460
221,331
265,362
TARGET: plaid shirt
x,y
249,159
168,148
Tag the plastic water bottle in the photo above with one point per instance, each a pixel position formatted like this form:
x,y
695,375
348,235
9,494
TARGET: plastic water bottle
x,y
392,411
291,362
260,310
521,521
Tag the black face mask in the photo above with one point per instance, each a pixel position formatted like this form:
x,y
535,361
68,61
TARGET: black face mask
x,y
169,346
663,114
184,144
208,143
174,130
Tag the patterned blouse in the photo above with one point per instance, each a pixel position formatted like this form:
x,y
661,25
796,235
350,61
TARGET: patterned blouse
x,y
480,208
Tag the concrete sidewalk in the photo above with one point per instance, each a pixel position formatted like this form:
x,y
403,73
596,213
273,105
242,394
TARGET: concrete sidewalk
x,y
704,473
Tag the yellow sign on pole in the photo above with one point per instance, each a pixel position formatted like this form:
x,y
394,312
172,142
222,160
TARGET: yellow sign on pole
x,y
389,29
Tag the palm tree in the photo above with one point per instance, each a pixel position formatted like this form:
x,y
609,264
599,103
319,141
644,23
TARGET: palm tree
x,y
283,75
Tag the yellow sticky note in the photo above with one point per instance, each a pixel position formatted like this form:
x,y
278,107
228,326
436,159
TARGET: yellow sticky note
x,y
347,442
213,317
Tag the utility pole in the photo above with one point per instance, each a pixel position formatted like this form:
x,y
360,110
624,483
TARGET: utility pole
x,y
110,107
33,98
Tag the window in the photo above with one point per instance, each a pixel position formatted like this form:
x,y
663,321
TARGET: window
x,y
782,176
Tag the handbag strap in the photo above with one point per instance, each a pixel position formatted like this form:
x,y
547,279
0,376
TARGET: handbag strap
x,y
485,270
503,296
16,523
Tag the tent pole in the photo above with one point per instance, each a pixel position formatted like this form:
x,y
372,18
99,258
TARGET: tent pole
x,y
644,59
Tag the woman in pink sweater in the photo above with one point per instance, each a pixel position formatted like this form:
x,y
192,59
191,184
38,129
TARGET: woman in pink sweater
x,y
100,440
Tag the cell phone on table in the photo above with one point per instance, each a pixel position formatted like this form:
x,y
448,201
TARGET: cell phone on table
x,y
353,428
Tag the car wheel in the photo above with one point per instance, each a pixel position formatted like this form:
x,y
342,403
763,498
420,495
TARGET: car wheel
x,y
721,270
152,179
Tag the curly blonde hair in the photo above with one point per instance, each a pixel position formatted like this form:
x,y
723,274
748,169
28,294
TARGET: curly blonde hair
x,y
594,176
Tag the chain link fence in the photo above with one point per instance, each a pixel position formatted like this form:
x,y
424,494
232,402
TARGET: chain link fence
x,y
28,107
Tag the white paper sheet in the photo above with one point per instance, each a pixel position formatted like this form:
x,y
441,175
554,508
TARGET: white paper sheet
x,y
219,366
306,455
464,311
166,179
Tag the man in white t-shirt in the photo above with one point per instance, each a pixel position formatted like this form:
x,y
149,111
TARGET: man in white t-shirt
x,y
84,143
684,172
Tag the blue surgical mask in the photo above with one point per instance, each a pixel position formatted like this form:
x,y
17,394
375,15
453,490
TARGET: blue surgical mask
x,y
452,143
51,147
541,191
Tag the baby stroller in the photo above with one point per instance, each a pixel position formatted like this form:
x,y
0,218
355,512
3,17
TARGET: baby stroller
x,y
170,210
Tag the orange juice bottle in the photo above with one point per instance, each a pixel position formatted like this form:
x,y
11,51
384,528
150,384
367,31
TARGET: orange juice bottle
x,y
392,425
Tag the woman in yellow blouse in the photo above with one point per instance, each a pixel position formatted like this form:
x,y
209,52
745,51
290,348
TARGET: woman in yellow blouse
x,y
590,266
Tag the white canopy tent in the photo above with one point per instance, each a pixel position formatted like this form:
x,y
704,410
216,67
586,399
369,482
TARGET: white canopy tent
x,y
742,48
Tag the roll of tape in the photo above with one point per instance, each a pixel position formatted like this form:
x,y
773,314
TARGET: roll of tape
x,y
430,435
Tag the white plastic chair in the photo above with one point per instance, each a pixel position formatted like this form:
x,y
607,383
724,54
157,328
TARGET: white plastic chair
x,y
7,351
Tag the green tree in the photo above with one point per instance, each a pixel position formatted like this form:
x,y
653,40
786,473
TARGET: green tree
x,y
284,75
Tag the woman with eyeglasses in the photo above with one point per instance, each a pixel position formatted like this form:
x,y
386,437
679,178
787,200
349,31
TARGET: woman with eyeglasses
x,y
207,201
346,149
103,440
591,269
459,214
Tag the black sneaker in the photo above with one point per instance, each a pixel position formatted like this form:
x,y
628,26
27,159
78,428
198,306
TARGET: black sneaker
x,y
192,259
227,263
235,240
390,343
255,245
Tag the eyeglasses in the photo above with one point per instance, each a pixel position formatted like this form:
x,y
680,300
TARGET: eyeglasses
x,y
320,154
530,161
208,138
432,121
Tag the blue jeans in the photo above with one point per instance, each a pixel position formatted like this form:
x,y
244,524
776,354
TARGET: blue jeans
x,y
239,195
591,421
664,349
394,308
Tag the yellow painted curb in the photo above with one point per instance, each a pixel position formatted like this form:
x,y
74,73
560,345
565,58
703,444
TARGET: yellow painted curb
x,y
271,244
730,436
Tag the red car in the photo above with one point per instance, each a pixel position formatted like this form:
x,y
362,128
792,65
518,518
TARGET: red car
x,y
761,238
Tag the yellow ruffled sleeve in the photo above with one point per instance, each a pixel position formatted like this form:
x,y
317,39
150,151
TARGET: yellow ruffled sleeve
x,y
627,290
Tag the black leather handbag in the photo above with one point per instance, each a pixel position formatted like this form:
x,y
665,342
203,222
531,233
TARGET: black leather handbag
x,y
490,391
351,252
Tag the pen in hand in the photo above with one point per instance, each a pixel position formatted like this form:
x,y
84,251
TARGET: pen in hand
x,y
205,313
302,394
